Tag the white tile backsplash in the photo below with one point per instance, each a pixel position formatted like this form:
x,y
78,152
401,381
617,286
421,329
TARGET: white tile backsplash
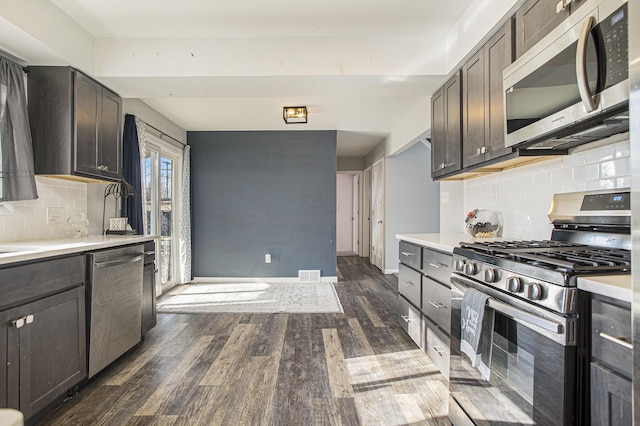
x,y
27,220
524,193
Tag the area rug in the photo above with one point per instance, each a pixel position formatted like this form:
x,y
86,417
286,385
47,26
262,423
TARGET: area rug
x,y
259,298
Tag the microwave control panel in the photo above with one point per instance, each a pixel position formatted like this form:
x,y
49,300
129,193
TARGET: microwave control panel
x,y
615,34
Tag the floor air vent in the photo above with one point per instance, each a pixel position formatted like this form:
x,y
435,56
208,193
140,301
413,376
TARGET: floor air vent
x,y
309,276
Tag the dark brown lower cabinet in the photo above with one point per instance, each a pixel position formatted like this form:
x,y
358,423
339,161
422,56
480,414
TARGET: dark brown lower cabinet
x,y
43,350
611,402
611,362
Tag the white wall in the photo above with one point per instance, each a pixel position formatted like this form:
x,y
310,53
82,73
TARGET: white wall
x,y
411,199
524,193
27,220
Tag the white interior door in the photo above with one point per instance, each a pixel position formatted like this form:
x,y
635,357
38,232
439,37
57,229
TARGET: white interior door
x,y
355,216
377,214
366,211
344,214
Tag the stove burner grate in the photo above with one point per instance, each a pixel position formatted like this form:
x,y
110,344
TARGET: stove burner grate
x,y
557,255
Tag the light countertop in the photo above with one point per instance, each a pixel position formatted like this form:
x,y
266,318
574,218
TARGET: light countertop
x,y
31,250
442,242
614,286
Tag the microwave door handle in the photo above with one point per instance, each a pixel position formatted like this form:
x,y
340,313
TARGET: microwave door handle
x,y
587,97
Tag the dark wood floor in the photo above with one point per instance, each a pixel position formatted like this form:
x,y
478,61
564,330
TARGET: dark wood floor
x,y
356,368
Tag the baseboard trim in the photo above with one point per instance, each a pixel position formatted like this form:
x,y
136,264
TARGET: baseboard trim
x,y
231,280
390,271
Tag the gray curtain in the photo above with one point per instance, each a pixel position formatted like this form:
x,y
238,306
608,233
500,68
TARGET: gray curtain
x,y
17,180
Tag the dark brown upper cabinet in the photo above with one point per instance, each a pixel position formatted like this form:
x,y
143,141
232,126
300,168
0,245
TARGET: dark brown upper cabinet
x,y
482,100
446,128
75,125
536,18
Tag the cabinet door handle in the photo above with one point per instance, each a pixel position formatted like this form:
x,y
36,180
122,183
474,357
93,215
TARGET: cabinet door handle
x,y
407,253
405,318
21,322
407,283
437,350
562,5
616,340
437,305
18,323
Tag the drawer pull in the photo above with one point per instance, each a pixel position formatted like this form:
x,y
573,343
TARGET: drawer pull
x,y
436,350
616,340
407,283
405,318
438,265
408,253
437,305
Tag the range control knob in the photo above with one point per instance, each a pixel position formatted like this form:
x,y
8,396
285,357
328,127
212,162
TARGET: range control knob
x,y
459,265
490,275
533,291
470,269
514,284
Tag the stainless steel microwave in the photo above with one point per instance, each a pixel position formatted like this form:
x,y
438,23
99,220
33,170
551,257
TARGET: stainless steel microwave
x,y
573,86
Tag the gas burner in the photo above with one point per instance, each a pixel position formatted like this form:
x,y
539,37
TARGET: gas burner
x,y
508,248
571,258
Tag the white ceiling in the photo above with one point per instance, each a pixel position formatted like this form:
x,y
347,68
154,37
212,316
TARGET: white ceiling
x,y
363,67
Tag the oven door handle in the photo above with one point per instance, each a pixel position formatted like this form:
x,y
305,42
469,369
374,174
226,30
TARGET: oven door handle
x,y
513,312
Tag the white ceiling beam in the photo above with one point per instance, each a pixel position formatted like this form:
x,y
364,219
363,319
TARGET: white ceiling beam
x,y
287,56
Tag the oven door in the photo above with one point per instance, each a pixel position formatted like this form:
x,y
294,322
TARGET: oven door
x,y
532,366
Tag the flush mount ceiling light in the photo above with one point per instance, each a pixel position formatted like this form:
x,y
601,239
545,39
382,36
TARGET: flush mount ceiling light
x,y
294,114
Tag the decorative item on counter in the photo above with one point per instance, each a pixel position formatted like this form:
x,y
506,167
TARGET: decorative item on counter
x,y
79,224
117,223
482,223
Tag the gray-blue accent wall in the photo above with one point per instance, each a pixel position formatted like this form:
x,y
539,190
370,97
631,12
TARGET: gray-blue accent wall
x,y
263,192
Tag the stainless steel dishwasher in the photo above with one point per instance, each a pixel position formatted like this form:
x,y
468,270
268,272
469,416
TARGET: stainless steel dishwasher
x,y
114,300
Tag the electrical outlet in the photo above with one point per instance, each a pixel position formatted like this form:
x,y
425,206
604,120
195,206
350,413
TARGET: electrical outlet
x,y
444,197
55,215
494,192
267,258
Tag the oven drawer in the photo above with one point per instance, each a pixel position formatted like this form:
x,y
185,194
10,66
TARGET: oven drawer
x,y
409,284
437,265
436,303
410,320
611,336
437,346
410,254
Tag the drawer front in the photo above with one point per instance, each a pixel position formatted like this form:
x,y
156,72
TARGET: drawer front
x,y
409,284
410,254
436,303
437,265
611,336
410,320
29,282
437,347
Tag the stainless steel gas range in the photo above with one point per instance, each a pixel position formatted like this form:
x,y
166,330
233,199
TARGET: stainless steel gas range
x,y
535,345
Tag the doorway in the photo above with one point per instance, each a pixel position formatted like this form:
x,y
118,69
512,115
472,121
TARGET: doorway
x,y
162,171
347,214
377,214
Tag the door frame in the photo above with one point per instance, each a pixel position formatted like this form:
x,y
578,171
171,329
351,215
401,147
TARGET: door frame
x,y
176,154
365,206
380,162
357,197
